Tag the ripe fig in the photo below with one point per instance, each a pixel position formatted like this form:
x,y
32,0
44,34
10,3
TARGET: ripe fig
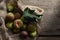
x,y
16,30
9,25
33,34
31,28
17,15
23,27
24,34
10,16
18,23
10,7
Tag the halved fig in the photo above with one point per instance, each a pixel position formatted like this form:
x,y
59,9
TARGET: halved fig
x,y
18,23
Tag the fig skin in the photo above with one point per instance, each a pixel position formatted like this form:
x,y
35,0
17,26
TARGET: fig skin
x,y
10,7
31,28
16,31
33,34
17,15
23,27
18,23
10,16
9,25
24,34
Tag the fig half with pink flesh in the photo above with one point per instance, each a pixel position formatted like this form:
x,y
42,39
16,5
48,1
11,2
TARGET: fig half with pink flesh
x,y
18,23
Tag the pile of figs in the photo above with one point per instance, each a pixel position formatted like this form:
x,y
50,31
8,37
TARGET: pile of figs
x,y
14,22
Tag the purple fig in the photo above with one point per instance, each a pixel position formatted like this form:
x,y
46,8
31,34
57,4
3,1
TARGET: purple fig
x,y
17,15
24,34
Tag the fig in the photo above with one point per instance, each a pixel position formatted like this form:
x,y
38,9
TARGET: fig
x,y
33,34
9,25
31,28
16,30
23,27
10,16
24,34
17,15
10,7
18,23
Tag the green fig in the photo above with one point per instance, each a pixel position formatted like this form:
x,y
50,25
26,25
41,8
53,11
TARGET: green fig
x,y
23,27
18,23
9,25
10,16
10,7
31,28
33,34
16,30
